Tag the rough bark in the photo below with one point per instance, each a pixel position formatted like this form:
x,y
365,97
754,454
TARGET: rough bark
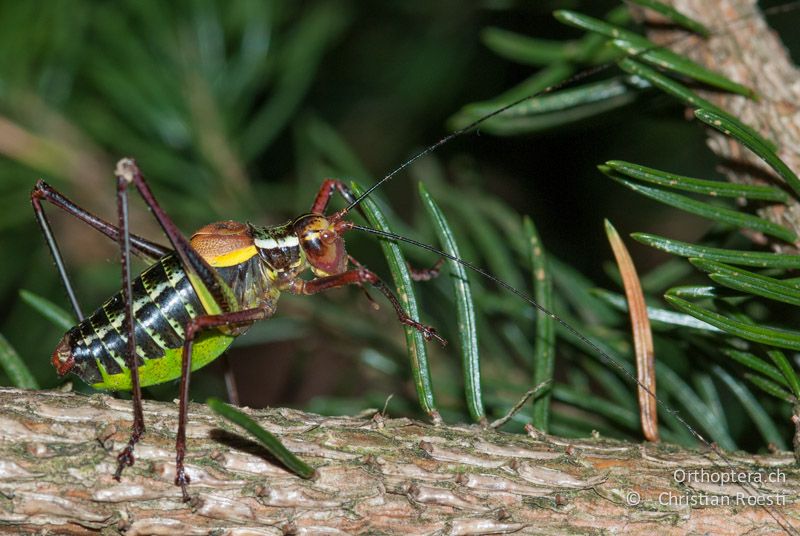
x,y
746,50
376,475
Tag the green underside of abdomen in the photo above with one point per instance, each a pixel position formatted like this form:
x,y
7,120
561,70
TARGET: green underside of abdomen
x,y
206,348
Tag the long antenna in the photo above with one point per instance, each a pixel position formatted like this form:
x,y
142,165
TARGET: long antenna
x,y
524,296
575,78
779,518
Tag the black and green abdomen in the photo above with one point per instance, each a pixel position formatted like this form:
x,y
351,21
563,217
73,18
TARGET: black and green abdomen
x,y
164,301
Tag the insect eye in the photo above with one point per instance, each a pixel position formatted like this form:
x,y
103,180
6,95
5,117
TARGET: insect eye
x,y
328,236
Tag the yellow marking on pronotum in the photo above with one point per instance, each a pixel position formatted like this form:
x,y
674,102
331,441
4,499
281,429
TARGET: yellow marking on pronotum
x,y
206,348
233,258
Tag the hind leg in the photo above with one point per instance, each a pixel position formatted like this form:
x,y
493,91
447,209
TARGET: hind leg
x,y
126,458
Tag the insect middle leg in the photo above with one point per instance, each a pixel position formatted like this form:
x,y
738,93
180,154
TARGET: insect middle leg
x,y
44,192
193,328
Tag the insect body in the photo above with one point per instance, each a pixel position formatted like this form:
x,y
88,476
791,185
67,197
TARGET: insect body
x,y
184,310
255,265
164,302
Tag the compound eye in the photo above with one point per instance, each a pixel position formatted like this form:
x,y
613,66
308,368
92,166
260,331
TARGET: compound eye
x,y
328,236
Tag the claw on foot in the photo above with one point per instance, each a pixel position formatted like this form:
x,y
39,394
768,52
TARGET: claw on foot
x,y
124,459
182,480
428,333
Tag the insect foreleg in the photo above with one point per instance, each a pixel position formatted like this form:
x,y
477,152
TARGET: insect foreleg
x,y
321,204
359,276
326,191
194,327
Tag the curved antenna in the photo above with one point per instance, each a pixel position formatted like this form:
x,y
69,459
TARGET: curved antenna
x,y
778,516
784,8
531,301
713,447
472,126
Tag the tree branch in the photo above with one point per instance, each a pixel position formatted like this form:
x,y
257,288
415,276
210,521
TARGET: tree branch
x,y
394,476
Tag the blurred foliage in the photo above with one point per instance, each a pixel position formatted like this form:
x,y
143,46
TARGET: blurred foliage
x,y
239,110
699,386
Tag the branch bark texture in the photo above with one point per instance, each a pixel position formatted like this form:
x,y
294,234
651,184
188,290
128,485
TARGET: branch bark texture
x,y
746,50
376,475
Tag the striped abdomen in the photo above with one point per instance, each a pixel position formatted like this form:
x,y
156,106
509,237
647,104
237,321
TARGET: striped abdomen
x,y
163,303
